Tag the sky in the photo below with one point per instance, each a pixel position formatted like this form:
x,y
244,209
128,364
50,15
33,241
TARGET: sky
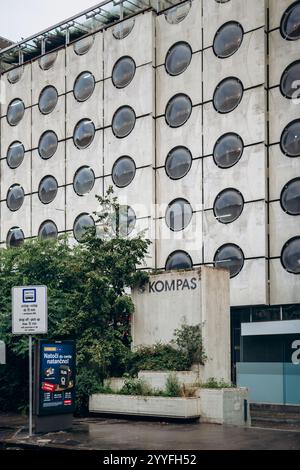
x,y
23,18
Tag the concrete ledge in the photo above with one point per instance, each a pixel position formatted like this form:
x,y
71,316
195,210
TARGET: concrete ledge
x,y
158,379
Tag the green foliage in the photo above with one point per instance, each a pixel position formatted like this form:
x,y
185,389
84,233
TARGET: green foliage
x,y
188,339
158,357
216,384
136,387
173,387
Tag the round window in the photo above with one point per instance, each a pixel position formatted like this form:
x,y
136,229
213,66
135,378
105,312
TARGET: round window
x,y
125,221
228,95
178,163
179,260
178,58
228,206
123,29
290,197
228,150
290,139
84,133
15,237
15,154
290,22
290,77
82,225
48,189
178,215
290,256
123,121
48,144
84,180
15,112
15,197
48,230
228,39
178,13
123,171
230,257
48,100
84,45
123,72
178,110
47,61
15,75
84,86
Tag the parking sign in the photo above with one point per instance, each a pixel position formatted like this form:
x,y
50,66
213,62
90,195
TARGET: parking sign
x,y
29,310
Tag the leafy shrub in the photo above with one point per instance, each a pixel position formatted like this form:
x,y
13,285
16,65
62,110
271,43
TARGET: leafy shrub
x,y
188,340
136,387
216,384
173,387
158,357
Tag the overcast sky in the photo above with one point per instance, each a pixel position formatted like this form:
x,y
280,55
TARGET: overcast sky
x,y
23,18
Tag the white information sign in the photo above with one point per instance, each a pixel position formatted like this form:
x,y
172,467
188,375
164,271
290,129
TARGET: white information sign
x,y
29,310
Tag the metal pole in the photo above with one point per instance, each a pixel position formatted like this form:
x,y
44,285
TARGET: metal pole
x,y
30,385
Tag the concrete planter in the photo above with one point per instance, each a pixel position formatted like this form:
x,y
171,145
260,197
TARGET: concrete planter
x,y
158,379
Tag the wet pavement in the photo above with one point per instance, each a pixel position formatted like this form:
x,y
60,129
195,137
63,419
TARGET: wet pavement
x,y
95,433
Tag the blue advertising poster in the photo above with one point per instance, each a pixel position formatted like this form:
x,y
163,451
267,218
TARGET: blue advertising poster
x,y
56,384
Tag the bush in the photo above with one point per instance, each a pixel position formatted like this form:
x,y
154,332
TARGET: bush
x,y
173,387
158,357
188,340
136,387
216,384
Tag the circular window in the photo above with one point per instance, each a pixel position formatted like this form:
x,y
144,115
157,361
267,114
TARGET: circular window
x,y
48,100
15,154
290,22
178,58
228,39
290,256
123,171
84,133
178,163
15,197
228,206
15,75
84,86
290,139
48,144
178,215
179,260
84,45
84,180
222,1
290,197
47,61
228,150
123,121
178,110
228,95
123,72
177,14
122,29
231,257
82,225
290,77
48,230
15,112
15,237
48,189
125,221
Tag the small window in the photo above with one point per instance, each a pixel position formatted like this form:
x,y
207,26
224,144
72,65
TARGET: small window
x,y
230,257
178,58
47,61
291,312
48,100
15,112
125,221
84,180
178,163
178,13
82,225
15,75
48,144
123,72
228,39
290,139
48,189
228,150
290,22
15,237
179,260
290,256
15,197
123,29
178,215
84,133
48,230
290,197
84,86
178,110
228,95
84,45
265,314
228,206
123,121
15,154
290,81
123,171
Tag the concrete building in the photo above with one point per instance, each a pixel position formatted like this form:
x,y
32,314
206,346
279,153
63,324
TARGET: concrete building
x,y
190,109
